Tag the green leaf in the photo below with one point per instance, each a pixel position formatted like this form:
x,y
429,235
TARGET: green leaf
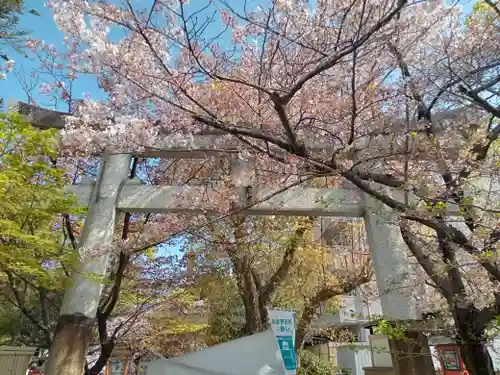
x,y
33,194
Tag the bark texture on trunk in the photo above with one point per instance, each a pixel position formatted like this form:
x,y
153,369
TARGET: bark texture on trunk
x,y
477,359
471,323
69,349
473,347
412,355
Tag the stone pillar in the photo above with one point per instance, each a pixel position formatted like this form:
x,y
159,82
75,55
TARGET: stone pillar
x,y
76,320
241,176
390,261
394,275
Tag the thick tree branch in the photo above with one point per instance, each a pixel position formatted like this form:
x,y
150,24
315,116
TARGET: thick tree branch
x,y
429,265
314,303
69,231
456,81
20,304
256,278
243,131
109,304
452,268
288,260
107,345
279,107
44,308
475,98
384,179
354,109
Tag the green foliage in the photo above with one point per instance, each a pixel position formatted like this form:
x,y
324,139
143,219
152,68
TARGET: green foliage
x,y
8,7
391,330
16,328
32,197
175,327
481,11
221,280
226,316
9,20
311,364
10,320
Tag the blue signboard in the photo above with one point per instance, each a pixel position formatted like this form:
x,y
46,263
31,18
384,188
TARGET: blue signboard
x,y
283,325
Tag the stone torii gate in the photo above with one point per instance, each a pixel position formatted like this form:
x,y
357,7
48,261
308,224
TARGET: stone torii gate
x,y
113,192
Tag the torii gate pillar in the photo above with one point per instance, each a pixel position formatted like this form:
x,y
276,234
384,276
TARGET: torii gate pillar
x,y
75,324
393,272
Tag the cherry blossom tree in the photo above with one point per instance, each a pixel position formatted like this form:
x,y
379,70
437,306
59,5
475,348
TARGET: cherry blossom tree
x,y
391,96
274,261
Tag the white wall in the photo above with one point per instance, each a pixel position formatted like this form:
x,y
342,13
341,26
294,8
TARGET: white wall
x,y
354,357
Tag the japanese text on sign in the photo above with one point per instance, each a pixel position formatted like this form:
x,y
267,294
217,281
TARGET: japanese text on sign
x,y
283,325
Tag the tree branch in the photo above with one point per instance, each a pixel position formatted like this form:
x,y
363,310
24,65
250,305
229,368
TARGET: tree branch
x,y
323,295
452,268
107,345
288,260
109,304
429,266
20,304
279,107
329,62
69,231
475,98
243,131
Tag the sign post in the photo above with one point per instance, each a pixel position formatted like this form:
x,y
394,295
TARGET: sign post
x,y
283,326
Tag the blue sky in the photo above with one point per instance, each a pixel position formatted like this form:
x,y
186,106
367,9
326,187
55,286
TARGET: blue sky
x,y
43,28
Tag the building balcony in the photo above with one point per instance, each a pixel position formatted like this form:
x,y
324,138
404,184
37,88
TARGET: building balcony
x,y
353,312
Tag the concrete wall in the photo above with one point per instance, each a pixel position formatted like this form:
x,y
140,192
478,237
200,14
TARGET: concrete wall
x,y
353,311
326,352
355,357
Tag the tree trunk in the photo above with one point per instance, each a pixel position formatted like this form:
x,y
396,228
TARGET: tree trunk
x,y
411,355
304,323
471,325
250,296
16,330
477,358
69,348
